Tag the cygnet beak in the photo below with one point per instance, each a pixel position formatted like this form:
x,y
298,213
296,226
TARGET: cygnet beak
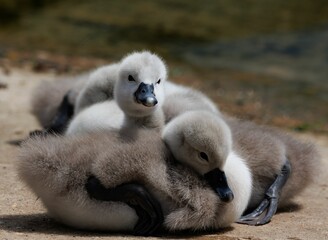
x,y
218,181
145,95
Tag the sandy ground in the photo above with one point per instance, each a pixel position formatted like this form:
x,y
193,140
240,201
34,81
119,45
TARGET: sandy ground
x,y
23,217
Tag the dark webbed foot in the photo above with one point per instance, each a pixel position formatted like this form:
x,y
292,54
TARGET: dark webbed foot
x,y
59,123
64,114
137,197
268,207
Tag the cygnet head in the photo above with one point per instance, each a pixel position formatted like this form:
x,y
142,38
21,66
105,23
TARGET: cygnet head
x,y
140,86
202,141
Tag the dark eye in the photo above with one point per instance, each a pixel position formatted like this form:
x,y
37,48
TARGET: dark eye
x,y
131,79
203,156
159,81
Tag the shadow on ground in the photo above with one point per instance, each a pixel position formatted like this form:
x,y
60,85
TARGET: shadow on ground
x,y
42,223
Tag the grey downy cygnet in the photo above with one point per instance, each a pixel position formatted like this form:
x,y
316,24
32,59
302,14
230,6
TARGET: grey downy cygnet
x,y
57,168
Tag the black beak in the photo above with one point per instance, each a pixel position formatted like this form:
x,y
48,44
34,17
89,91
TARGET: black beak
x,y
218,181
145,95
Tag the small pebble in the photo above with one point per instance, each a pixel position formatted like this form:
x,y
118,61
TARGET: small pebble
x,y
3,85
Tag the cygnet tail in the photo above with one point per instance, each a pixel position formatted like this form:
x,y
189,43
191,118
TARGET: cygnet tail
x,y
305,168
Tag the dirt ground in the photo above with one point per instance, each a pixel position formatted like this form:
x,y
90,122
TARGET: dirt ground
x,y
23,217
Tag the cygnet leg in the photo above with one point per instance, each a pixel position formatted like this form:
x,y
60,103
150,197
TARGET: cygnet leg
x,y
268,207
64,114
137,197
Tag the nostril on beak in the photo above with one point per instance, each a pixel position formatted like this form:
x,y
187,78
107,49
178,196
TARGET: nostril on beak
x,y
145,95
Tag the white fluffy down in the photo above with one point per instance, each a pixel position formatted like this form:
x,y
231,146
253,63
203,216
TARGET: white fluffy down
x,y
100,116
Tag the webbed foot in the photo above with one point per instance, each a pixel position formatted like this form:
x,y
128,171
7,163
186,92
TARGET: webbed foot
x,y
58,125
137,197
268,207
64,114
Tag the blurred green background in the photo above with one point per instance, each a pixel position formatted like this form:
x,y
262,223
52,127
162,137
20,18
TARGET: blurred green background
x,y
261,60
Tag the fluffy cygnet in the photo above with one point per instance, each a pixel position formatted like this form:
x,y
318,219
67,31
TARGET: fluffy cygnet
x,y
138,92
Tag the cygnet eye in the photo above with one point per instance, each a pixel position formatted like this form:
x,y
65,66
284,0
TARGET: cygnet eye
x,y
203,156
131,79
159,81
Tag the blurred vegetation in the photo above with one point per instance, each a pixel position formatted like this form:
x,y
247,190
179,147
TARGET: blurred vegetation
x,y
12,10
251,84
106,28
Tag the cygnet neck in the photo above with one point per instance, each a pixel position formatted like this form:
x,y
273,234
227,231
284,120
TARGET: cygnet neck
x,y
154,120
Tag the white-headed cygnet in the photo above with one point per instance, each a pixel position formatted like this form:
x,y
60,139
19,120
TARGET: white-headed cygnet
x,y
54,103
138,92
125,177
